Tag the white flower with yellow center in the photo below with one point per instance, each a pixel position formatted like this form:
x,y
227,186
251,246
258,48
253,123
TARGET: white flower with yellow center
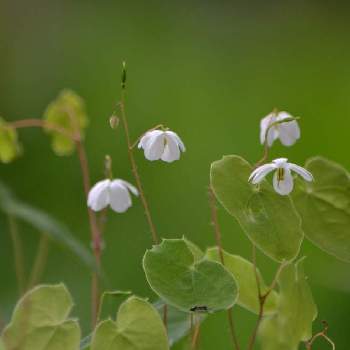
x,y
115,193
164,145
282,180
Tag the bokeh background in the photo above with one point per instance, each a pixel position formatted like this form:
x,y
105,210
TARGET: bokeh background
x,y
210,70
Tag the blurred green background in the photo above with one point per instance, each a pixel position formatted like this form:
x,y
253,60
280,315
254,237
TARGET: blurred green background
x,y
210,70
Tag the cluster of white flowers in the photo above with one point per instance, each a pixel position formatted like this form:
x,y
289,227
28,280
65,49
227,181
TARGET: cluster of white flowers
x,y
157,144
279,125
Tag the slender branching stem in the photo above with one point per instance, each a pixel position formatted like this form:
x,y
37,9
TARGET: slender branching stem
x,y
18,253
217,233
40,261
195,333
321,334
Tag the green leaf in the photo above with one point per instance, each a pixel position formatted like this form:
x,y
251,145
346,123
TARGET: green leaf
x,y
40,321
138,327
178,322
9,146
296,312
182,280
243,272
2,346
269,220
45,224
324,206
66,112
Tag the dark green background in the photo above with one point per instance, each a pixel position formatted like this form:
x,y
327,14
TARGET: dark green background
x,y
210,70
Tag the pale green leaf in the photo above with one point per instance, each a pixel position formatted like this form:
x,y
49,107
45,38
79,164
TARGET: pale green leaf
x,y
175,274
9,146
66,112
243,271
269,220
324,206
138,327
40,321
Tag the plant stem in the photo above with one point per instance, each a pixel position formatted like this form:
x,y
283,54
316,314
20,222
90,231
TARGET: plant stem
x,y
217,232
18,253
196,332
40,261
321,334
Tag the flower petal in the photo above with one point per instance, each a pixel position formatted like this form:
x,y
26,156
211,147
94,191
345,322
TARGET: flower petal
x,y
258,174
272,134
147,136
154,148
285,186
130,187
305,174
177,139
289,132
98,197
120,198
171,149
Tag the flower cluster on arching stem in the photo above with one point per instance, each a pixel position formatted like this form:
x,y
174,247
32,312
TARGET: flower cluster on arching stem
x,y
282,126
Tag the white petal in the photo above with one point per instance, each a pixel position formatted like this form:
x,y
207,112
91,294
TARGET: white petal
x,y
171,149
130,187
272,134
98,197
258,174
285,186
120,198
305,174
177,139
147,136
289,132
155,146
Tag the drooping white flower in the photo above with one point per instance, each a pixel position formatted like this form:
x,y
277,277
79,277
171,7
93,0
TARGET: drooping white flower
x,y
287,132
164,145
282,179
115,193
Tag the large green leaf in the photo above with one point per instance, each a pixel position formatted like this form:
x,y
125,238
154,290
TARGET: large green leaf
x,y
45,224
184,280
296,312
243,271
40,322
324,206
269,220
66,112
138,327
9,146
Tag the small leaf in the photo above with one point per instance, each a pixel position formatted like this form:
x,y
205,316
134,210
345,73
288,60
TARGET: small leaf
x,y
174,272
40,322
138,327
296,312
178,322
243,271
45,224
66,112
9,146
268,219
324,206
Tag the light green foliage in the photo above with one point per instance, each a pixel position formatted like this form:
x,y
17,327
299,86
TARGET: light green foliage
x,y
184,280
296,312
138,327
243,271
9,146
2,346
40,321
268,219
324,206
66,112
178,322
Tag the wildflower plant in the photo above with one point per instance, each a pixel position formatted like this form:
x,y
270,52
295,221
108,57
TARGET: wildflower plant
x,y
310,201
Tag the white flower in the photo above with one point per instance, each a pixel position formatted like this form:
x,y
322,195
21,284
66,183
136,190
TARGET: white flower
x,y
115,193
287,132
164,145
282,179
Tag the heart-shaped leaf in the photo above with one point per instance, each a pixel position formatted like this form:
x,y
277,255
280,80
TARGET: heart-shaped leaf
x,y
243,271
9,146
269,220
324,206
295,313
138,327
40,322
183,280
